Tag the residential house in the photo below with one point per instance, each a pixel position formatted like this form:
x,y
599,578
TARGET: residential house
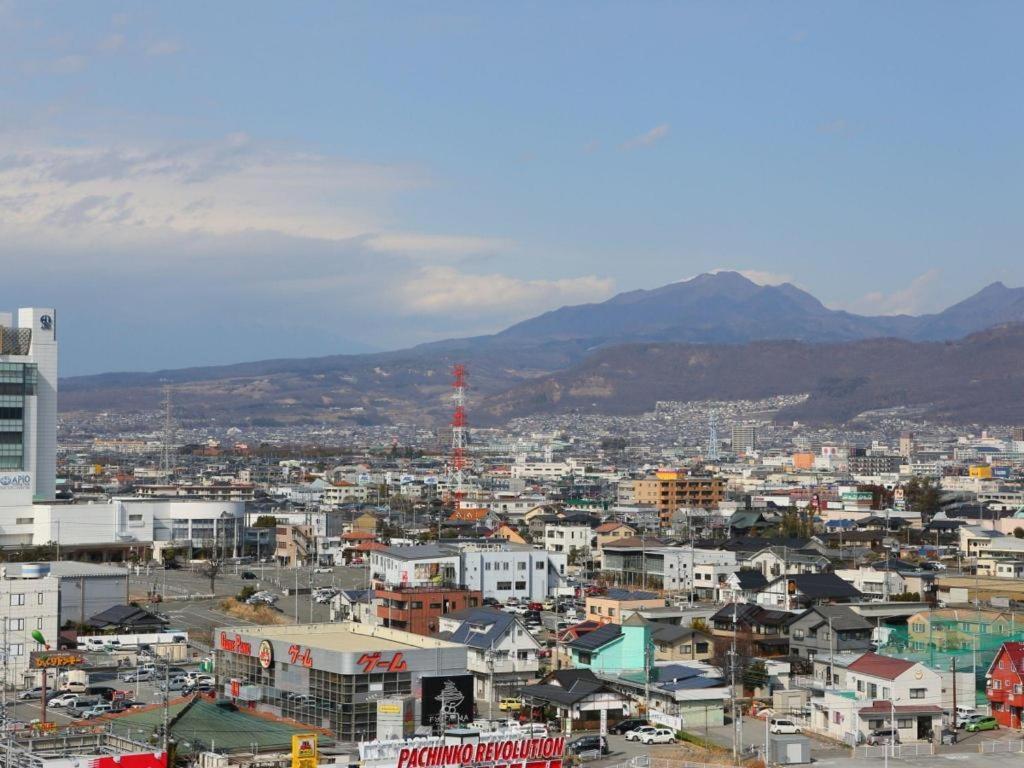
x,y
610,533
614,648
709,579
503,655
758,631
742,586
825,630
956,628
883,689
676,643
806,589
782,561
874,584
419,609
509,534
579,696
1004,685
575,538
127,619
617,604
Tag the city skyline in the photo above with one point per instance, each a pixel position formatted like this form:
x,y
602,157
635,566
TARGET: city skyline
x,y
297,182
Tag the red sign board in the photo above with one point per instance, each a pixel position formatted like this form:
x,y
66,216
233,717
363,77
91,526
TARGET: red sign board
x,y
374,662
235,644
529,753
236,688
300,655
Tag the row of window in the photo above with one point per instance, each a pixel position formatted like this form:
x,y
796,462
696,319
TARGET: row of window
x,y
19,598
18,625
520,566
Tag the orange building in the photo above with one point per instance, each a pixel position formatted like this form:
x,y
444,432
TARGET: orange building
x,y
803,461
671,490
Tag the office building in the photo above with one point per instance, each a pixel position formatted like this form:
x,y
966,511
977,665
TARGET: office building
x,y
744,438
28,406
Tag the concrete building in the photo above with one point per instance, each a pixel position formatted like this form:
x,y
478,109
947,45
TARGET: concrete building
x,y
30,600
562,536
28,406
419,609
671,490
744,438
618,604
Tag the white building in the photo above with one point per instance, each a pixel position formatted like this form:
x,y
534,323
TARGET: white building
x,y
29,596
28,403
566,537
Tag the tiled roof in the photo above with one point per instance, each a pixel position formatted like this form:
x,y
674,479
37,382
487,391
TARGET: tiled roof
x,y
901,709
598,638
885,667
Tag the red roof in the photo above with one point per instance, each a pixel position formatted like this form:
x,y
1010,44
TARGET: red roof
x,y
885,667
369,546
609,527
358,536
1015,653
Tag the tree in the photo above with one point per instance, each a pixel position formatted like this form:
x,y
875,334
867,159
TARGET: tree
x,y
922,495
265,521
211,570
1018,532
700,624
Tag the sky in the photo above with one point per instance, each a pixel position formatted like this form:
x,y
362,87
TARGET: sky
x,y
200,183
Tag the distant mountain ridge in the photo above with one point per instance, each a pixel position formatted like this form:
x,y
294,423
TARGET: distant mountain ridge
x,y
411,385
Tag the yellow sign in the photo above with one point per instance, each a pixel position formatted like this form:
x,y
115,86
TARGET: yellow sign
x,y
304,750
389,709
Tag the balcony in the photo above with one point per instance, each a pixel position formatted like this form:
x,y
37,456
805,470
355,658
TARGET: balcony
x,y
996,694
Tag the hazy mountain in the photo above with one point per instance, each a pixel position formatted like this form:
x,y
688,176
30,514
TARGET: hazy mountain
x,y
975,379
412,385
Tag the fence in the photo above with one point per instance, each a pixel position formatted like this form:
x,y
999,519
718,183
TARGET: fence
x,y
900,750
999,747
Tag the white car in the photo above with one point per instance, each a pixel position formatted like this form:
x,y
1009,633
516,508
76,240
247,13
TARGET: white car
x,y
659,736
97,711
637,733
323,569
782,725
64,700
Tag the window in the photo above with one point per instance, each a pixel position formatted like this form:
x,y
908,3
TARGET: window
x,y
539,566
39,598
520,585
39,623
16,625
505,586
885,694
416,604
504,566
904,722
798,634
17,599
17,649
23,521
611,611
487,566
521,566
997,684
917,693
435,605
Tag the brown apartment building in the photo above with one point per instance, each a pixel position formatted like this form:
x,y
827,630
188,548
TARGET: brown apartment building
x,y
417,609
671,490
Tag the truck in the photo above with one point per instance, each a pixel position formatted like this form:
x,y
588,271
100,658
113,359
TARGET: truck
x,y
131,642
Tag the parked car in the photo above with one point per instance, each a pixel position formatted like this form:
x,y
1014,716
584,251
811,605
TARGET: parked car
x,y
492,601
64,700
659,736
31,693
881,736
248,575
584,744
97,710
782,725
141,674
323,569
627,725
637,733
510,705
964,715
982,724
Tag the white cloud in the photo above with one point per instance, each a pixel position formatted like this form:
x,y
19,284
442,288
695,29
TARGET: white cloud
x,y
163,48
446,290
910,300
656,134
417,244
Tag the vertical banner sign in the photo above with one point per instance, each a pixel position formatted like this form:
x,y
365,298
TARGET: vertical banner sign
x,y
604,722
304,750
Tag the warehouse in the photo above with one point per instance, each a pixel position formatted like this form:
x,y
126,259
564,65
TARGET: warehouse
x,y
356,681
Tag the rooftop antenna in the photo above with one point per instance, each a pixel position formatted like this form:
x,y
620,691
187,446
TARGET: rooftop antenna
x,y
712,454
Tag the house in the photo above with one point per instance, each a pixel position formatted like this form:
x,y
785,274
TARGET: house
x,y
954,628
875,584
508,533
676,643
127,619
575,538
807,589
609,533
882,689
782,561
614,648
709,579
503,655
825,630
1004,685
579,696
758,631
616,604
742,586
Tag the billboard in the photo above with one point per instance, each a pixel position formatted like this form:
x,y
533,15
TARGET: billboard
x,y
53,659
304,750
447,701
531,753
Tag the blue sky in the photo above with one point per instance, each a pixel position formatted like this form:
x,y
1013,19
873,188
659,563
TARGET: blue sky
x,y
195,183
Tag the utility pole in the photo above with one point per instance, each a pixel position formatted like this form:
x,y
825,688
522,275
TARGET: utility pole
x,y
952,667
732,688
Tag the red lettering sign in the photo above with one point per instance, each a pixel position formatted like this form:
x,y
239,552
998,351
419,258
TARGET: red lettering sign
x,y
236,688
300,655
373,662
235,644
545,752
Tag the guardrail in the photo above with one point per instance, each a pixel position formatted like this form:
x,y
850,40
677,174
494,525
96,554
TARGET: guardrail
x,y
997,747
915,749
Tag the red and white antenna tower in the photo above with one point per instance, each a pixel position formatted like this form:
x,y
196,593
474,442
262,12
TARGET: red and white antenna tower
x,y
459,430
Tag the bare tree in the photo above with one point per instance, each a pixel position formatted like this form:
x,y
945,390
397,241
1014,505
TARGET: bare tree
x,y
211,570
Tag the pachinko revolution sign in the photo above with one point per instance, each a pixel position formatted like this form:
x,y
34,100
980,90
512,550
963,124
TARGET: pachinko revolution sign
x,y
528,753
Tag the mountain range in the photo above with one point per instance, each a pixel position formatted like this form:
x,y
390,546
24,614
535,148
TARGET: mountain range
x,y
716,336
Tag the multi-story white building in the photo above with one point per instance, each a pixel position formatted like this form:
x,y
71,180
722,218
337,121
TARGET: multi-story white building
x,y
28,406
30,600
566,537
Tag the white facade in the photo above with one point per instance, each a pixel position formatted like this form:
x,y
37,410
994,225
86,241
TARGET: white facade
x,y
29,601
565,538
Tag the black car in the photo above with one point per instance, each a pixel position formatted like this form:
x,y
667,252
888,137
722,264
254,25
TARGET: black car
x,y
492,601
583,744
624,726
248,575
